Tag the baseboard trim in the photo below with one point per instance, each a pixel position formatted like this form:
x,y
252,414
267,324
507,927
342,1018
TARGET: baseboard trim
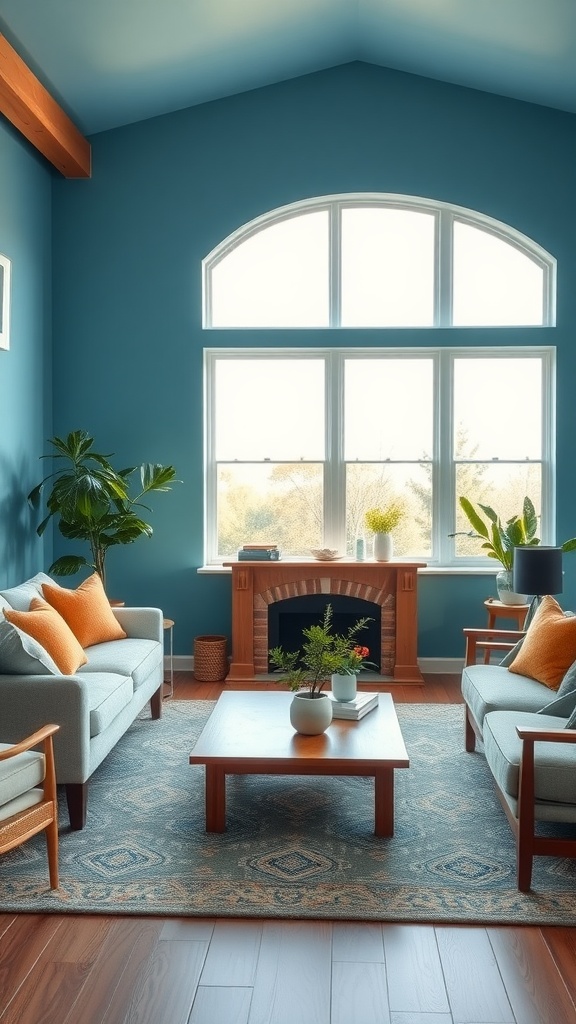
x,y
432,666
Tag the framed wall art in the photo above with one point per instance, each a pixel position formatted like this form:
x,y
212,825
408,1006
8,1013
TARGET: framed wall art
x,y
5,268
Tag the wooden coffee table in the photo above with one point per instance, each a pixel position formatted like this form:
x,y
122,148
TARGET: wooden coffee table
x,y
249,733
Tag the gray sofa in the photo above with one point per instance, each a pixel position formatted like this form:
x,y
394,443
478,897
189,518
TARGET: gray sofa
x,y
529,738
95,706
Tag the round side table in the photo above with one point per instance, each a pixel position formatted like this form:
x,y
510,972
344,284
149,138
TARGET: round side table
x,y
169,625
498,610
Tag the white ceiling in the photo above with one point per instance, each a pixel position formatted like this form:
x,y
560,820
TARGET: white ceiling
x,y
112,62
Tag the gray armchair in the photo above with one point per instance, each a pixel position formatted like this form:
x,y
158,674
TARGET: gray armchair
x,y
28,802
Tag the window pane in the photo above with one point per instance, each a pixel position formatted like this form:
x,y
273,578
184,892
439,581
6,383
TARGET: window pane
x,y
503,488
388,409
387,268
369,485
274,504
494,283
278,277
498,408
255,405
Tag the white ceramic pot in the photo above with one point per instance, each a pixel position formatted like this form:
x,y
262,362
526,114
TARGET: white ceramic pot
x,y
383,547
504,587
310,714
344,686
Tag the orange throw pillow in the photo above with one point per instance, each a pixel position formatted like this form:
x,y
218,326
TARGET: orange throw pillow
x,y
49,629
549,647
86,610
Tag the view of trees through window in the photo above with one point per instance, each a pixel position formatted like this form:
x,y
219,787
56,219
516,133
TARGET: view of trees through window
x,y
298,459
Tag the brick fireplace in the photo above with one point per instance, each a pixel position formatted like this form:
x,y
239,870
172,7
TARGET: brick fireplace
x,y
390,585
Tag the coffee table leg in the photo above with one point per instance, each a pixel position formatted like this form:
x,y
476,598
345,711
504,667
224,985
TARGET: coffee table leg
x,y
384,802
215,799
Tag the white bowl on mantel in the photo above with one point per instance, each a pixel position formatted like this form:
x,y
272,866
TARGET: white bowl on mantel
x,y
325,554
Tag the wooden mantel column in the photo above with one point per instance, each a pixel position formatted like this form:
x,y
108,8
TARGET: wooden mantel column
x,y
391,585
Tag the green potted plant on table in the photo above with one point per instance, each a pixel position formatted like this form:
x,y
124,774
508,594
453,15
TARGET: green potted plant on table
x,y
344,681
499,540
381,522
322,654
92,501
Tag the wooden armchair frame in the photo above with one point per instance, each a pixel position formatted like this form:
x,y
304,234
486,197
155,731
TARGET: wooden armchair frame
x,y
44,815
481,641
528,844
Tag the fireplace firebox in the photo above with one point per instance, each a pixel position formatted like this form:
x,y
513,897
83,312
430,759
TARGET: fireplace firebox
x,y
287,619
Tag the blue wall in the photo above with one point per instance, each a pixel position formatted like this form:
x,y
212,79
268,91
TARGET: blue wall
x,y
26,368
128,246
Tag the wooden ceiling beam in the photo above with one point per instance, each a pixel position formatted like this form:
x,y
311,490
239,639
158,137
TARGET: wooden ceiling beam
x,y
35,113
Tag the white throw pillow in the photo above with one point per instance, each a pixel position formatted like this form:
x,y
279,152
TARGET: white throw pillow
x,y
22,655
19,597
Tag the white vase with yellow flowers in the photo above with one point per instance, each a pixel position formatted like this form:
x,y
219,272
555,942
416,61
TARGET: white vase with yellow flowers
x,y
381,522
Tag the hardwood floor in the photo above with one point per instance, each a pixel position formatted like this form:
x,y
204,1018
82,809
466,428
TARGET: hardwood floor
x,y
80,969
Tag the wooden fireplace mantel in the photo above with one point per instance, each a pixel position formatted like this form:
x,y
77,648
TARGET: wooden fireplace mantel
x,y
256,585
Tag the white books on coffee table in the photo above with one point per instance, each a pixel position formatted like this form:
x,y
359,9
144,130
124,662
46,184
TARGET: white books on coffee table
x,y
357,708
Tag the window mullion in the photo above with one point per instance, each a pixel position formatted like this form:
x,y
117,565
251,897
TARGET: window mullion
x,y
334,468
443,474
444,265
335,265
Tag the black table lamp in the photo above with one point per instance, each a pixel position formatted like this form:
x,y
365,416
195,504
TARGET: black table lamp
x,y
538,571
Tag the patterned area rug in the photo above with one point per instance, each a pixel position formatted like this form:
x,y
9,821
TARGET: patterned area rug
x,y
295,846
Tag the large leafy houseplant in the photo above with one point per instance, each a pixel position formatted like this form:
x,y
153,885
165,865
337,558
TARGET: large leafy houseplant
x,y
92,500
499,539
322,653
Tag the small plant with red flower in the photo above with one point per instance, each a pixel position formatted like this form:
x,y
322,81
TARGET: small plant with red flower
x,y
354,661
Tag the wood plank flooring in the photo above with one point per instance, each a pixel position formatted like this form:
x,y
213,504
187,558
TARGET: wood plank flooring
x,y
80,969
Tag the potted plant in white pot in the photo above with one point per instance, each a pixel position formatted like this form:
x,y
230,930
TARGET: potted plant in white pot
x,y
345,680
381,522
499,540
310,668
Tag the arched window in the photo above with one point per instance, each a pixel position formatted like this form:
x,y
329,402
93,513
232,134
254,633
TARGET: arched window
x,y
301,439
377,261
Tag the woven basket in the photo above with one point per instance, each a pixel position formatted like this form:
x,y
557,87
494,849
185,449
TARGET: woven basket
x,y
210,660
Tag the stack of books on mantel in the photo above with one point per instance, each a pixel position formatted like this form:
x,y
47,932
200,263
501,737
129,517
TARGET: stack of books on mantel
x,y
357,708
258,553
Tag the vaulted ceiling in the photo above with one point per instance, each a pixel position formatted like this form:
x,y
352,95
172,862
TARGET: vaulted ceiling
x,y
112,62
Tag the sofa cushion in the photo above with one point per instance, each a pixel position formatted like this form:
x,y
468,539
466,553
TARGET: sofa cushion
x,y
48,627
21,654
490,687
19,774
108,694
130,657
569,681
19,597
549,647
562,706
511,654
555,763
86,610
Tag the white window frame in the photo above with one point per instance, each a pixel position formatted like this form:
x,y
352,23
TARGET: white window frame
x,y
444,213
443,460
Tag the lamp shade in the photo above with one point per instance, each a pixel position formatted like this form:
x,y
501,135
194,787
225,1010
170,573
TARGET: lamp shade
x,y
537,570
